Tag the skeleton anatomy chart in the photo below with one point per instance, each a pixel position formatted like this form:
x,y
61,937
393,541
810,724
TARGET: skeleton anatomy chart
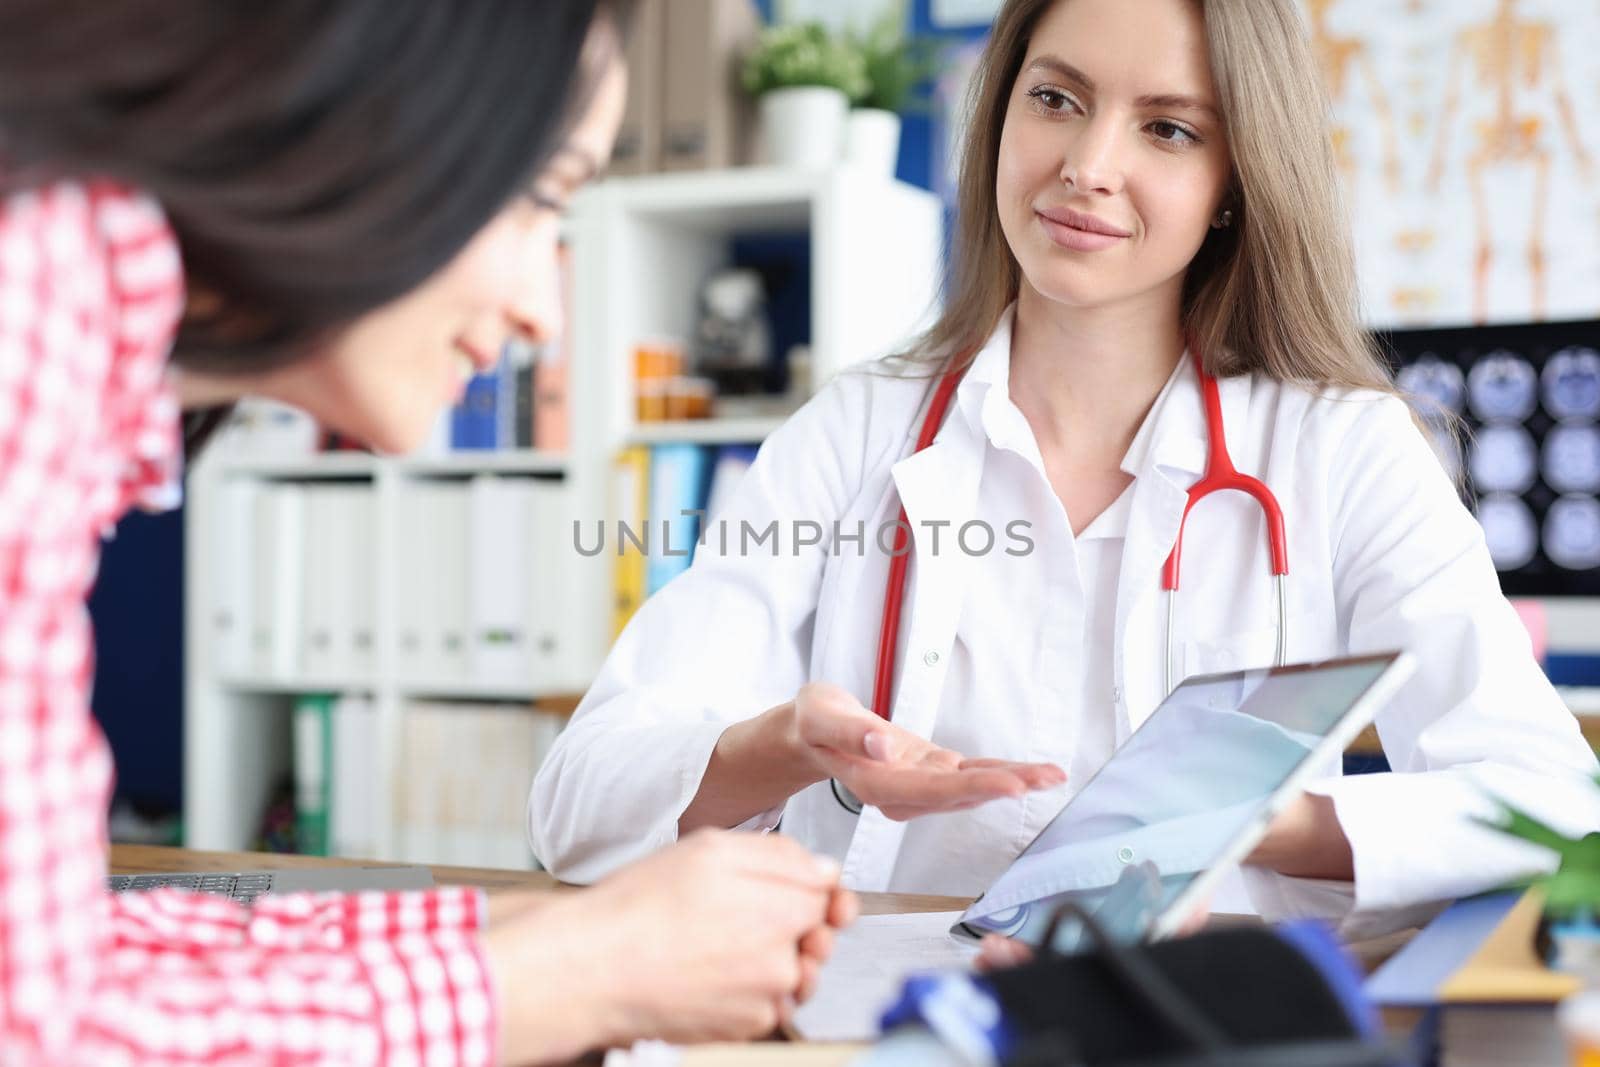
x,y
1471,161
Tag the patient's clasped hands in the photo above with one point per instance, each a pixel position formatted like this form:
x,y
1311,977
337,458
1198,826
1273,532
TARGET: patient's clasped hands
x,y
716,938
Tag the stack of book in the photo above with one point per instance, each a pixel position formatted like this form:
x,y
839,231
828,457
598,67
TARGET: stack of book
x,y
521,404
655,487
460,794
1476,989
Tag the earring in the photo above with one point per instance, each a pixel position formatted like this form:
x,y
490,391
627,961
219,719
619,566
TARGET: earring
x,y
1224,220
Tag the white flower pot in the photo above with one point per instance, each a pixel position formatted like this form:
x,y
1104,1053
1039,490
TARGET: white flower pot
x,y
872,140
803,127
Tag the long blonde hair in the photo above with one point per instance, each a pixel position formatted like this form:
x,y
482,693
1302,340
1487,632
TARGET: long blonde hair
x,y
1274,293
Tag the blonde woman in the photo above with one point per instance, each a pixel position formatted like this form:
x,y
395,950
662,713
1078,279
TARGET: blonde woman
x,y
1145,182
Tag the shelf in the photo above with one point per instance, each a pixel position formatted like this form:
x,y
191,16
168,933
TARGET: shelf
x,y
312,466
467,689
725,431
335,465
514,461
770,198
257,683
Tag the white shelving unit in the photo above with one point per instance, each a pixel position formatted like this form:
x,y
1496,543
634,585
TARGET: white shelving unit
x,y
237,724
641,249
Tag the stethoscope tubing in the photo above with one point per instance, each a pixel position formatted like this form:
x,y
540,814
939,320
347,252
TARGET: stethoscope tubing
x,y
1220,475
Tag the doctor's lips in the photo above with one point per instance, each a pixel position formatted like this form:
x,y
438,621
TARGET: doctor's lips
x,y
1078,231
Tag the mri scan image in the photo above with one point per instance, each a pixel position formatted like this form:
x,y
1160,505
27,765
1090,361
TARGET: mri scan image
x,y
1433,385
1572,533
1502,386
1510,530
1572,458
1504,459
1571,384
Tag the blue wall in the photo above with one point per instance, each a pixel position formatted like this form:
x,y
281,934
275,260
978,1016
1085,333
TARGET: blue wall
x,y
137,608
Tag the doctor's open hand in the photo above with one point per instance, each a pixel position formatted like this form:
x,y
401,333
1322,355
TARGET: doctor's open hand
x,y
896,771
823,733
715,938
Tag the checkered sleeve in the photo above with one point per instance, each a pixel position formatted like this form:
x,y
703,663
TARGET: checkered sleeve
x,y
90,293
327,979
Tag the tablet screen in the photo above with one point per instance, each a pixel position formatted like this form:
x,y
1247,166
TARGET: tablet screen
x,y
1176,797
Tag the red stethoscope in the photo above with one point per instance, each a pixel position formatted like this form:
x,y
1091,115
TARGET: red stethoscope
x,y
1220,474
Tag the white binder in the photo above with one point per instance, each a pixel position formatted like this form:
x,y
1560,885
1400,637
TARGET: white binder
x,y
276,606
501,641
229,617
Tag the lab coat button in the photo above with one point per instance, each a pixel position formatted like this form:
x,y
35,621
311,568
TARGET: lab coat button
x,y
931,658
1125,854
1116,695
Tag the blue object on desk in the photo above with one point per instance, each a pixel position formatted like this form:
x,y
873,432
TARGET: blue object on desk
x,y
960,1009
1413,977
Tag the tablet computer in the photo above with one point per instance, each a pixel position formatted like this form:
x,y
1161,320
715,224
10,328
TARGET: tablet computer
x,y
1186,798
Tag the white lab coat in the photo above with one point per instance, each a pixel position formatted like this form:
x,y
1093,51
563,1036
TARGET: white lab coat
x,y
1382,555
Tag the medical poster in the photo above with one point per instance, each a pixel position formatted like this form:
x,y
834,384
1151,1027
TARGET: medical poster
x,y
1470,163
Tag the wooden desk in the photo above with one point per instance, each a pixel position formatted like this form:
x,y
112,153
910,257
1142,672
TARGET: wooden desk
x,y
148,859
142,859
145,859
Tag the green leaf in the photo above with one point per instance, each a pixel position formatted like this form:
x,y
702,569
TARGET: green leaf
x,y
1570,891
896,65
1524,826
804,54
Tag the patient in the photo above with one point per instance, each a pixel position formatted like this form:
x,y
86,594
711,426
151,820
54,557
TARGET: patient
x,y
348,205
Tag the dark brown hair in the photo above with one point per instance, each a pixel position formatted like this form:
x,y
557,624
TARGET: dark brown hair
x,y
317,158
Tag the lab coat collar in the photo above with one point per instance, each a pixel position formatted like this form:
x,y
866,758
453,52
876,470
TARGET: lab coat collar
x,y
988,377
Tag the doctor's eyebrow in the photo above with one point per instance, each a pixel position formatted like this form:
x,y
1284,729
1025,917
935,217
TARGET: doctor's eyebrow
x,y
1048,64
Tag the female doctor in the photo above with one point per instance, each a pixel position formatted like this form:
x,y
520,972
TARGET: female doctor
x,y
1148,204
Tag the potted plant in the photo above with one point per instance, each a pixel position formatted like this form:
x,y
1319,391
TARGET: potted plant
x,y
805,78
1569,935
896,68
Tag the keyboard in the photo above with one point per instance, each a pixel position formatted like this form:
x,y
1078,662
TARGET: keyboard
x,y
242,888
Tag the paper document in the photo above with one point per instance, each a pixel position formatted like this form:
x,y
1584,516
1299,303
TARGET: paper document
x,y
871,961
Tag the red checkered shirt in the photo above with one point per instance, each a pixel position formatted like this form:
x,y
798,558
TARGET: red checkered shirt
x,y
90,292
